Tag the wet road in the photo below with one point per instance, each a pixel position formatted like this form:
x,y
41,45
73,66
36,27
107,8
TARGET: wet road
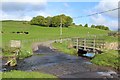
x,y
62,65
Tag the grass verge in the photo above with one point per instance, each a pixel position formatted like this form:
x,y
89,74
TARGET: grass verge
x,y
109,58
64,47
23,74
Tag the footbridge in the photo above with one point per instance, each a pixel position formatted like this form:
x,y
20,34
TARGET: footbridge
x,y
88,44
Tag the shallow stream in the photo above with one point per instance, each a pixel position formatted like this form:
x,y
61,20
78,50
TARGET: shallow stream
x,y
62,65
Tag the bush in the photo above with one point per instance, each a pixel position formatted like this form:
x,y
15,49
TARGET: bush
x,y
8,51
23,54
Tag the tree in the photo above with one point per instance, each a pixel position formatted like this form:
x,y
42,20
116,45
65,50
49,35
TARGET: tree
x,y
106,28
54,21
69,21
34,21
80,25
66,20
48,20
86,25
73,24
92,26
102,27
39,20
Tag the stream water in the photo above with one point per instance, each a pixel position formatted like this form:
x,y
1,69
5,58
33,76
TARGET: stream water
x,y
62,65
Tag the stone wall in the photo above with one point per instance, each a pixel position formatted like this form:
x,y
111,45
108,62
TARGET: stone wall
x,y
113,45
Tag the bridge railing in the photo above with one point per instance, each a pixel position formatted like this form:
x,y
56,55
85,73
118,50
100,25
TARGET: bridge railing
x,y
85,43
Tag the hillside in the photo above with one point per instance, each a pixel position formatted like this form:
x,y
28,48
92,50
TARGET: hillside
x,y
11,31
45,33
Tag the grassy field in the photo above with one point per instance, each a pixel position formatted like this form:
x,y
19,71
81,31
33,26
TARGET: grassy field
x,y
38,33
43,33
23,74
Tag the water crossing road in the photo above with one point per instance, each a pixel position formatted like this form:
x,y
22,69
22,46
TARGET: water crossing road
x,y
63,65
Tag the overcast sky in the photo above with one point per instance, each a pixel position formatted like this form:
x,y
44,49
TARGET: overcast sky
x,y
25,10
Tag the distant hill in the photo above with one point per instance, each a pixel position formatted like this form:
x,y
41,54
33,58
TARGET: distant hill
x,y
13,21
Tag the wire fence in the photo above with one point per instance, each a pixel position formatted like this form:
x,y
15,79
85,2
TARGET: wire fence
x,y
97,13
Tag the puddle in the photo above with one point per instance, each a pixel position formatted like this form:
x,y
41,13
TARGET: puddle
x,y
88,62
110,74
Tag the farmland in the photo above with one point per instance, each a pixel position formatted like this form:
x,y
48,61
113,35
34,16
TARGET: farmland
x,y
47,33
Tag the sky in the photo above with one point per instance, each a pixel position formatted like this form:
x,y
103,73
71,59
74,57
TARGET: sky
x,y
27,9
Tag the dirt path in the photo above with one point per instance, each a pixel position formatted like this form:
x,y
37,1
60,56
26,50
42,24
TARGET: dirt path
x,y
46,43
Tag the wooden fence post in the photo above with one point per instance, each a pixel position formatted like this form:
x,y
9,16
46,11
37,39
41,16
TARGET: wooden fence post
x,y
77,44
94,46
84,44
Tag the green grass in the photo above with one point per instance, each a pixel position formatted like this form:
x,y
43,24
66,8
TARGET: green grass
x,y
63,47
38,34
23,74
109,58
8,52
43,33
7,55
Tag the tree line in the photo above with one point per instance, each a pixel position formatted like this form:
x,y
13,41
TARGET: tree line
x,y
54,21
58,20
100,27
